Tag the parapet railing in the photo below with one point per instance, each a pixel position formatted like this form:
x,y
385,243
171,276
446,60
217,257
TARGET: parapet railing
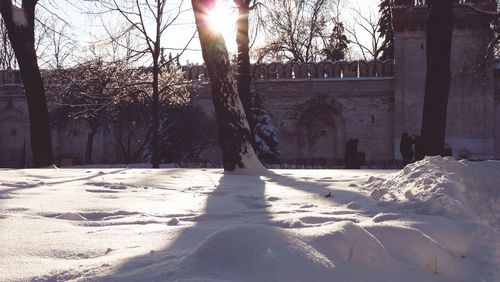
x,y
319,70
276,71
9,77
423,3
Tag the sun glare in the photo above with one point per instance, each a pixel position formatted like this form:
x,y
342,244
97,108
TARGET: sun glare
x,y
222,18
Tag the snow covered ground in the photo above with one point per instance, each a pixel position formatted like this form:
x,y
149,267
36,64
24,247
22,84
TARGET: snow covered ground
x,y
436,220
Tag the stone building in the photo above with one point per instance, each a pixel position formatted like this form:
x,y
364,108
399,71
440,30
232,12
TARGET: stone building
x,y
317,107
473,108
321,106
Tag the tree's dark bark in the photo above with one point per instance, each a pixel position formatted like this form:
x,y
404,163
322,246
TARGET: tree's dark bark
x,y
90,143
232,127
155,105
22,38
155,122
437,84
244,73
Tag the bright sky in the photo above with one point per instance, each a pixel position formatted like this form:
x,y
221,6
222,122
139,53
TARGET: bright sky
x,y
88,27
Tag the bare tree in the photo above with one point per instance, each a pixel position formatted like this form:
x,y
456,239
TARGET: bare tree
x,y
185,132
148,20
366,25
55,45
114,93
7,56
232,125
297,30
88,91
130,137
133,109
19,19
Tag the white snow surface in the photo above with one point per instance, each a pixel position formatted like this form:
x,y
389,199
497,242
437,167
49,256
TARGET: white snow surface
x,y
443,186
435,220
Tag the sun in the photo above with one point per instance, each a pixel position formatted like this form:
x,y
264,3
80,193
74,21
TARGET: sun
x,y
222,18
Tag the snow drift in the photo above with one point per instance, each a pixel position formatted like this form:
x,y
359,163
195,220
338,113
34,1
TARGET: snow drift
x,y
251,252
444,186
435,220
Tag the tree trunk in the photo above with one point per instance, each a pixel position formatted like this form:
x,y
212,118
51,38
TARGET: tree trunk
x,y
22,37
155,122
232,126
437,84
244,73
90,144
155,109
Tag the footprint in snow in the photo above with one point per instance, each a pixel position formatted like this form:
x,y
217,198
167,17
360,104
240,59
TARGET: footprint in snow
x,y
22,184
91,216
273,199
114,186
101,191
72,216
173,222
215,193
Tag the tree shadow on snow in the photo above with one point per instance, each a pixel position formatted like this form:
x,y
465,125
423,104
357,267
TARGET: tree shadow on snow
x,y
22,184
327,190
236,200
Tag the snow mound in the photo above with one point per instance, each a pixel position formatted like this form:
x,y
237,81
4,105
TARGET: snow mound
x,y
444,186
415,247
259,253
352,243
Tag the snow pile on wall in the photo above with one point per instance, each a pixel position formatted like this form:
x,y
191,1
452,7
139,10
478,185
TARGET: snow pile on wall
x,y
444,186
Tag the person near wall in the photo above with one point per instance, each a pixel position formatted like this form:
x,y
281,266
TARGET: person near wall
x,y
406,148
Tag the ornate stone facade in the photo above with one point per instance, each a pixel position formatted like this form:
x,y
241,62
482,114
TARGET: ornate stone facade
x,y
316,116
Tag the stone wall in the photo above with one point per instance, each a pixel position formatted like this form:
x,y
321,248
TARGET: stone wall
x,y
471,110
317,107
14,123
68,137
315,118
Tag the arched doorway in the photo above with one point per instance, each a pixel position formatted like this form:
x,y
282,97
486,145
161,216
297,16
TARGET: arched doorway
x,y
320,133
